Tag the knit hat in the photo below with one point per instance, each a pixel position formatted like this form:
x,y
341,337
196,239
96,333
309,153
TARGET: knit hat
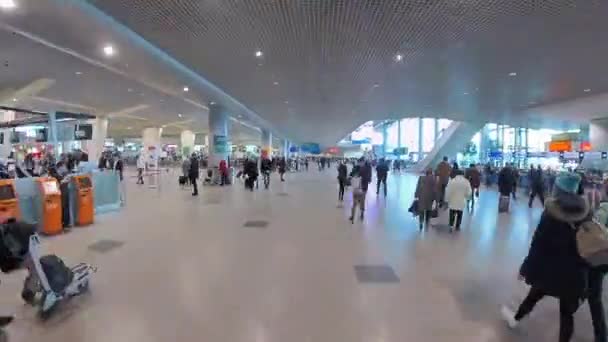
x,y
568,182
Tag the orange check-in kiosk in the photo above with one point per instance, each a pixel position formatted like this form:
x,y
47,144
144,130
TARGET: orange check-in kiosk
x,y
9,203
84,204
50,221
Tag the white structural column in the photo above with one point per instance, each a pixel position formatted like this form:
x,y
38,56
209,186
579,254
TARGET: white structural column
x,y
598,134
151,141
95,146
286,148
187,142
6,147
219,139
266,143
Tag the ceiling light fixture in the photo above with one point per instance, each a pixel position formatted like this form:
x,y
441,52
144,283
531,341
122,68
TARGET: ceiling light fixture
x,y
286,102
108,50
15,100
186,89
259,54
7,4
276,83
212,103
130,90
376,85
129,127
512,74
398,57
179,115
587,90
466,93
78,73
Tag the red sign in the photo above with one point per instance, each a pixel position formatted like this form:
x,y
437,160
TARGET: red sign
x,y
333,150
585,146
560,146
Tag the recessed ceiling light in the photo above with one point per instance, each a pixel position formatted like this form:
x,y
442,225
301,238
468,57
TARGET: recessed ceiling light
x,y
212,103
179,115
7,4
286,102
259,54
15,100
512,74
276,83
376,85
587,90
129,127
240,116
398,57
78,73
108,50
466,93
130,90
186,89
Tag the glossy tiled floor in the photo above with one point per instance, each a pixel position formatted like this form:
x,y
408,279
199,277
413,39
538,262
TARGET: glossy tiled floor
x,y
177,268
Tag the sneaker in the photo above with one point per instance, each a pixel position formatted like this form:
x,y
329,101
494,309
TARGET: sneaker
x,y
509,316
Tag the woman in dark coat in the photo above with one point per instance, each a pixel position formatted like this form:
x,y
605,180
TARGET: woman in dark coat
x,y
506,181
553,266
426,193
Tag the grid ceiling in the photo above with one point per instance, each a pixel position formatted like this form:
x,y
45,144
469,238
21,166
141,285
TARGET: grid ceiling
x,y
329,65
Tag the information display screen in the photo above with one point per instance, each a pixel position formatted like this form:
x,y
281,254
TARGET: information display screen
x,y
7,192
83,132
50,188
85,182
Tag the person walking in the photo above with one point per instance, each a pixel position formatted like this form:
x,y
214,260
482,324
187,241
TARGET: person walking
x,y
282,168
515,182
381,175
141,167
553,266
251,172
193,173
359,191
223,169
426,194
537,185
266,169
505,187
342,176
457,193
596,285
443,174
473,175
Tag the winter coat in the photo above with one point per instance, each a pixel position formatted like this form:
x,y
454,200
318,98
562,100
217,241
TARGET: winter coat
x,y
443,172
506,181
474,177
382,170
186,167
223,167
426,192
536,179
458,192
342,172
553,263
194,168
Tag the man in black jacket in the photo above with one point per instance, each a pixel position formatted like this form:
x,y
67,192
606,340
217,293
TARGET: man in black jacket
x,y
537,185
553,266
381,174
194,173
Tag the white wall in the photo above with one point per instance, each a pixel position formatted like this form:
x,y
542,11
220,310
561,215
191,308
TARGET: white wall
x,y
598,134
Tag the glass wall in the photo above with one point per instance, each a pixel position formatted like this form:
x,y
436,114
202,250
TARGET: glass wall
x,y
428,134
410,133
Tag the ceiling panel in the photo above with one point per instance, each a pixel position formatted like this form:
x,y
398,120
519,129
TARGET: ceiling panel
x,y
331,64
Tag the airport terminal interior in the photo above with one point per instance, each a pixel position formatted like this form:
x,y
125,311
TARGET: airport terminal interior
x,y
303,170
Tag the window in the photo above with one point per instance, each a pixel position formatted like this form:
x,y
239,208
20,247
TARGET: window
x,y
409,134
428,134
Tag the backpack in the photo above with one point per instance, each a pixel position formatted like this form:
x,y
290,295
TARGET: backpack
x,y
592,242
57,273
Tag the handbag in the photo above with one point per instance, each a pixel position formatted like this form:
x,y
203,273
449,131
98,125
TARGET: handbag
x,y
414,208
592,242
434,213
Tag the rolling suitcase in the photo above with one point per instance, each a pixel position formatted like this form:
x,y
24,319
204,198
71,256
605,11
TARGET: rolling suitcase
x,y
503,204
182,180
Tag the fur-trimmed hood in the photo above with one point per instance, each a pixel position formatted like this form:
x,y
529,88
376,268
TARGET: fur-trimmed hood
x,y
568,207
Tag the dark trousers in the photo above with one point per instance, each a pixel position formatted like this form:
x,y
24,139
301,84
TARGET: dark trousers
x,y
140,176
341,185
424,216
567,308
194,185
223,178
381,180
455,215
514,193
442,194
65,205
596,279
537,191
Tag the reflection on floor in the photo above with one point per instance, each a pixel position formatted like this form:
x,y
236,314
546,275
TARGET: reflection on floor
x,y
286,265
